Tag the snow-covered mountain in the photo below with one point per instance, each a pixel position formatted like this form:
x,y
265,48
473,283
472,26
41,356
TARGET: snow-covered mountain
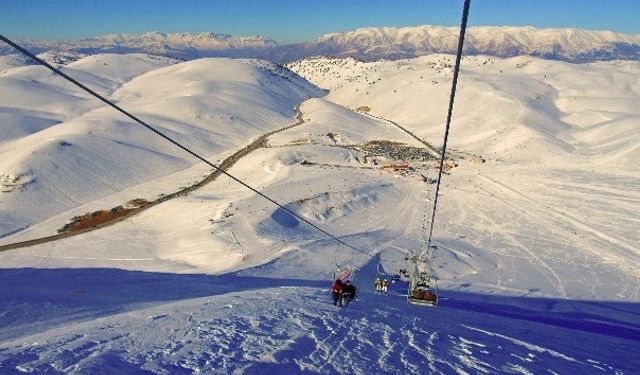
x,y
573,45
536,235
373,43
177,45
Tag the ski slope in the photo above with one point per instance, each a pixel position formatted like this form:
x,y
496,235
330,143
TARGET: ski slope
x,y
168,323
523,109
537,254
558,189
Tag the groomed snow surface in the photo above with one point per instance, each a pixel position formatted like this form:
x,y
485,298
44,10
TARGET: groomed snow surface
x,y
537,256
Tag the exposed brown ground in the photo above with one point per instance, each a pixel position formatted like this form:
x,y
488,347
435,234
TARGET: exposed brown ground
x,y
98,218
102,218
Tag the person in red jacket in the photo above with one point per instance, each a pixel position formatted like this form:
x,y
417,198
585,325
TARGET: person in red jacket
x,y
337,292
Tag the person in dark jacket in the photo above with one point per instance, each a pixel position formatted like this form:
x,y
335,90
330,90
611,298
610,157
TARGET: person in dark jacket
x,y
348,292
337,292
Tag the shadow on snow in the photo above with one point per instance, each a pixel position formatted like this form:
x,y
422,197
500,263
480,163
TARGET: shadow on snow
x,y
33,300
103,291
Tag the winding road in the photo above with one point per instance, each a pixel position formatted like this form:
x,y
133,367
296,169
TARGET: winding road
x,y
226,164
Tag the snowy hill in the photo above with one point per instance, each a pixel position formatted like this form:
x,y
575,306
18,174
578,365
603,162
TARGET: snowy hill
x,y
523,108
47,139
537,254
544,131
13,60
369,44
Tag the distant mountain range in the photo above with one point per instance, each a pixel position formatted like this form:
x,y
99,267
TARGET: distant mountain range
x,y
374,43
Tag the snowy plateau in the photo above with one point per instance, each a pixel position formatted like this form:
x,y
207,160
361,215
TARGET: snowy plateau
x,y
538,249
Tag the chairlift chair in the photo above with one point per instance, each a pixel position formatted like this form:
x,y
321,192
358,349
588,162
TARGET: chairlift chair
x,y
421,293
419,290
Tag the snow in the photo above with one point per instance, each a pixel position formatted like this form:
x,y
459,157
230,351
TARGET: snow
x,y
575,45
527,118
550,108
537,254
369,43
52,137
167,323
13,60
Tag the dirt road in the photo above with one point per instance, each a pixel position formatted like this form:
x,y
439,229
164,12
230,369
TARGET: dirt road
x,y
224,166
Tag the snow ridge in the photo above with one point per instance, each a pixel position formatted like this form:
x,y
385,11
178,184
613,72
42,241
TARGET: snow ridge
x,y
574,45
185,46
372,43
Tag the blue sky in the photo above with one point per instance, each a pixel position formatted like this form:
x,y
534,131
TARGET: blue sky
x,y
298,20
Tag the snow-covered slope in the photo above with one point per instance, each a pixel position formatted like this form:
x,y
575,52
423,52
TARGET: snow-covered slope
x,y
61,149
55,58
168,324
537,246
13,60
536,136
523,108
371,43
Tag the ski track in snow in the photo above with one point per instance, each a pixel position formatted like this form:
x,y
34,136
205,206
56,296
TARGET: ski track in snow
x,y
576,222
295,329
271,330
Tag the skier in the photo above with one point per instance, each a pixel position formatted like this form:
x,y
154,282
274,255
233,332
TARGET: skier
x,y
385,285
378,284
337,292
349,292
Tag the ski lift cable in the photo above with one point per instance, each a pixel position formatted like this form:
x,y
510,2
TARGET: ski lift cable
x,y
452,97
174,142
424,220
463,27
271,200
